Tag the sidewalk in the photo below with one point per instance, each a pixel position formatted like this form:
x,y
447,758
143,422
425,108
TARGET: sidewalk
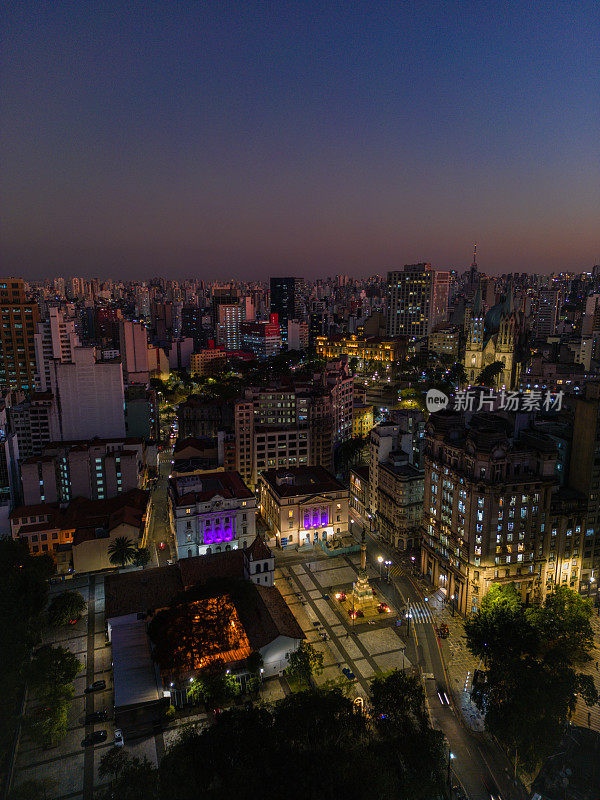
x,y
459,662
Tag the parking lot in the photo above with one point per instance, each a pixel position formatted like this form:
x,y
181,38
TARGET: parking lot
x,y
73,768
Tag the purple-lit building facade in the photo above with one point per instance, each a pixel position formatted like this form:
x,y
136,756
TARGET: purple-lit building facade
x,y
211,513
302,506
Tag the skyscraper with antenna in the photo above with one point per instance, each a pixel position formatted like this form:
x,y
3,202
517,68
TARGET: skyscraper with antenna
x,y
473,271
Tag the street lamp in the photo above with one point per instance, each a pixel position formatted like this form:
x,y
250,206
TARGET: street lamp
x,y
380,559
388,564
451,756
452,597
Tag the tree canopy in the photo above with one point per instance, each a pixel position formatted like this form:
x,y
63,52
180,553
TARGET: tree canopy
x,y
23,598
52,667
530,654
65,607
489,375
312,744
304,662
121,551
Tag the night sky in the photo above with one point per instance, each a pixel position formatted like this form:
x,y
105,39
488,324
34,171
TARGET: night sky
x,y
226,139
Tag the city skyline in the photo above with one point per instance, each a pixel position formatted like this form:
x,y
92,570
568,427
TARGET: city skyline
x,y
251,142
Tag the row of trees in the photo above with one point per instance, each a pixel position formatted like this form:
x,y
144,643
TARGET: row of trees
x,y
51,673
23,599
531,655
311,744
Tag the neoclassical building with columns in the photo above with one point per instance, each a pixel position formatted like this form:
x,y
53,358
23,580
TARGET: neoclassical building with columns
x,y
211,513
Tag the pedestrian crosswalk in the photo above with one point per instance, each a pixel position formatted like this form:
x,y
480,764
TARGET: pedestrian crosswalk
x,y
420,612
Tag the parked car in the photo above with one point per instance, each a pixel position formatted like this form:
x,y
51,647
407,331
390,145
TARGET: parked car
x,y
94,738
96,716
96,686
119,741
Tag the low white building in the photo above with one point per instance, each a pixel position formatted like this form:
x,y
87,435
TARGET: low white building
x,y
211,513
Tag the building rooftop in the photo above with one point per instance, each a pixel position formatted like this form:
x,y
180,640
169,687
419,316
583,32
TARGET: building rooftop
x,y
267,616
362,470
137,591
134,679
298,481
201,488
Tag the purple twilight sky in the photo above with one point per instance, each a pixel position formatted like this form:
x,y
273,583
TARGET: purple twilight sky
x,y
247,139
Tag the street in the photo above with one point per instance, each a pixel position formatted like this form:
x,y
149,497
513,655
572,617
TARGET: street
x,y
476,763
160,530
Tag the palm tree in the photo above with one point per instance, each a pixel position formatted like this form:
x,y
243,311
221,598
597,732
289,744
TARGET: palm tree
x,y
122,551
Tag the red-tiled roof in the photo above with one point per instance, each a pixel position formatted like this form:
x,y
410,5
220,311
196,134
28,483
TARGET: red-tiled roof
x,y
82,512
137,592
258,550
267,616
200,569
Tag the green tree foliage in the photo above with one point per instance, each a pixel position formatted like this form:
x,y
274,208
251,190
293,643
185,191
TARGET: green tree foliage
x,y
213,687
52,668
23,598
531,682
563,625
457,374
310,744
489,375
142,557
113,763
136,780
349,454
401,717
254,662
47,724
121,551
65,607
304,662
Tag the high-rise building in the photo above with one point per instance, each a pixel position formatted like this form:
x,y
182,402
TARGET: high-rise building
x,y
440,299
410,294
262,338
487,507
584,476
133,345
298,336
35,423
97,470
89,396
9,471
546,314
19,325
283,302
142,418
55,338
282,427
229,326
